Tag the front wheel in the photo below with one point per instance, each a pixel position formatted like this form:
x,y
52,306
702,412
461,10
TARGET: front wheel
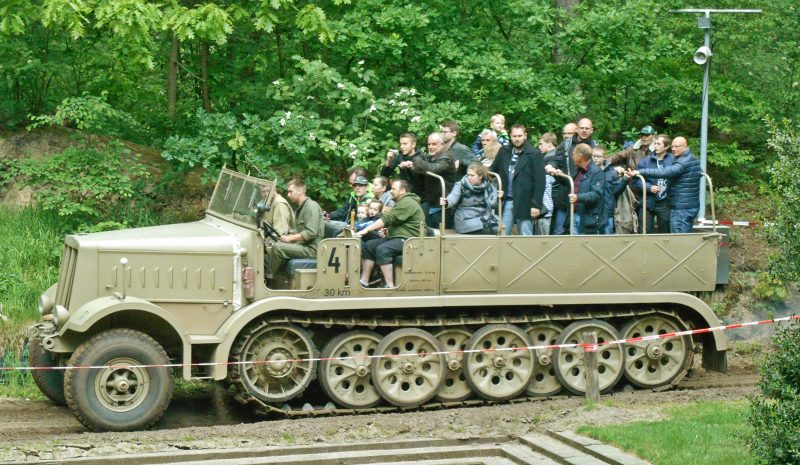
x,y
46,374
118,381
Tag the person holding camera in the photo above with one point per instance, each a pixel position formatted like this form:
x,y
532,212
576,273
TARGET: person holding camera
x,y
402,160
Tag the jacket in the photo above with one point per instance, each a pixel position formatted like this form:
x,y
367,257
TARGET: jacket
x,y
405,218
477,146
443,166
280,215
651,162
591,200
684,181
461,154
528,179
614,186
475,205
416,180
563,161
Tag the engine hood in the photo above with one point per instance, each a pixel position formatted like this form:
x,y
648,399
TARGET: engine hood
x,y
205,235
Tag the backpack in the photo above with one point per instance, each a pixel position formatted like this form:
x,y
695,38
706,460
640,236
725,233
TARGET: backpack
x,y
625,219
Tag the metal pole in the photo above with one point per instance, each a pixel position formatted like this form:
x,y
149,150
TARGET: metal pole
x,y
704,121
590,367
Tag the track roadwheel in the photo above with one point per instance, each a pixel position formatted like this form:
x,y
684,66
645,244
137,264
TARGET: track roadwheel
x,y
409,375
347,379
499,372
569,362
50,382
280,361
544,381
651,364
455,387
122,396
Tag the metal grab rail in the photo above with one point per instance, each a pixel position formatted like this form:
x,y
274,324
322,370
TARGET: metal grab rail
x,y
500,227
444,194
571,205
711,200
644,204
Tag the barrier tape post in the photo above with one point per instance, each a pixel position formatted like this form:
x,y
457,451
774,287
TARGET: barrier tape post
x,y
590,369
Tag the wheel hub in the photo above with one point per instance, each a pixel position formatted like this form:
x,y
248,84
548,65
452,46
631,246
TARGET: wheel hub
x,y
362,371
122,385
655,351
278,363
407,368
544,359
454,365
498,362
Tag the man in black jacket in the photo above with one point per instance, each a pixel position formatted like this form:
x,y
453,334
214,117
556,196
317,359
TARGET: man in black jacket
x,y
438,162
402,160
563,164
589,191
521,170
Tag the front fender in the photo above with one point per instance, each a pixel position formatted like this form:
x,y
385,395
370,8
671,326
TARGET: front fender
x,y
83,318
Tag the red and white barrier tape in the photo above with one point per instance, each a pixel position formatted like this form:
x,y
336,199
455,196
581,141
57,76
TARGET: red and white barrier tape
x,y
729,222
586,347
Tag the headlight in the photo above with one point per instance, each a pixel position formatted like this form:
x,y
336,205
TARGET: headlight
x,y
45,305
60,315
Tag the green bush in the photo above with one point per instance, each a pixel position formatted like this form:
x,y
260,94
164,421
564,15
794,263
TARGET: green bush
x,y
86,184
775,414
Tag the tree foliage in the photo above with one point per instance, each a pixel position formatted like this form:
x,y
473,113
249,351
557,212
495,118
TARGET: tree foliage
x,y
783,226
775,414
624,63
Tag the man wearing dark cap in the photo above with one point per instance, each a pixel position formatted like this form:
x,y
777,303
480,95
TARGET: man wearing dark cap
x,y
631,156
358,196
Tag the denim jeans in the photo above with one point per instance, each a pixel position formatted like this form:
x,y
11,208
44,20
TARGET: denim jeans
x,y
608,228
561,218
659,216
681,220
525,227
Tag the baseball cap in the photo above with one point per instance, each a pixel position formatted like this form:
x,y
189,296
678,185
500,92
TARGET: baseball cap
x,y
648,130
361,181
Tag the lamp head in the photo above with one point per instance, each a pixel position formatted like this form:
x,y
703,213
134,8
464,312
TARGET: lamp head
x,y
702,55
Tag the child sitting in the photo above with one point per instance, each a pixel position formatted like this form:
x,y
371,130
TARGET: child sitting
x,y
366,215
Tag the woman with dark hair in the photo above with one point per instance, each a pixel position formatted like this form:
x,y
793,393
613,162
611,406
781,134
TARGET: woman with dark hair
x,y
474,199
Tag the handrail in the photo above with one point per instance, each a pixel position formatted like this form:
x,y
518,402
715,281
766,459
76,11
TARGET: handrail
x,y
500,226
444,194
643,219
711,199
571,205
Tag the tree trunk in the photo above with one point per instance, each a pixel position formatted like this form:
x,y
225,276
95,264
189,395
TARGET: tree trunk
x,y
567,6
172,79
204,76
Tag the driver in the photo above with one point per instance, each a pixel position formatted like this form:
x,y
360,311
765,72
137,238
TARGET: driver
x,y
280,214
309,227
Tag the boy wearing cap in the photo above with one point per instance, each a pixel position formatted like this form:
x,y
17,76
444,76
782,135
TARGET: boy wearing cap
x,y
358,196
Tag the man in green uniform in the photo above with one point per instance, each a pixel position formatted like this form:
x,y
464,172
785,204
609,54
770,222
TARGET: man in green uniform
x,y
403,221
309,229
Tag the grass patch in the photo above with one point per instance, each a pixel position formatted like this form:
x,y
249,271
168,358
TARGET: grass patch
x,y
704,433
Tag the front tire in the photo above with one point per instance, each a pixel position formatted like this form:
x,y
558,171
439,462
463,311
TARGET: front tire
x,y
119,394
49,381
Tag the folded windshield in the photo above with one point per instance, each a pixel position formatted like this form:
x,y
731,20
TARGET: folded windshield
x,y
237,195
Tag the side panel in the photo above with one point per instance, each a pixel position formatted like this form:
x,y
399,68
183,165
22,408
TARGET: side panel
x,y
541,264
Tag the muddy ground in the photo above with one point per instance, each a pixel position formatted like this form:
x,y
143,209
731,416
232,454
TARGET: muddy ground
x,y
206,418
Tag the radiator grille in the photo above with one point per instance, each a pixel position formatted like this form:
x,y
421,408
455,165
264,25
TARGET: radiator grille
x,y
67,275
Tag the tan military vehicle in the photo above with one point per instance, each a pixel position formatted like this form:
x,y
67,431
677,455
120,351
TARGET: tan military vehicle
x,y
132,306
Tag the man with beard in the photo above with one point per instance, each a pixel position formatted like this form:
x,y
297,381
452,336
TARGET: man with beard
x,y
438,162
521,171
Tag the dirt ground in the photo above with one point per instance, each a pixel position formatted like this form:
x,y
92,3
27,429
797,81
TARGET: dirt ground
x,y
208,419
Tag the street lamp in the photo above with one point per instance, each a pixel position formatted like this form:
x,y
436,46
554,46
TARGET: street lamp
x,y
703,57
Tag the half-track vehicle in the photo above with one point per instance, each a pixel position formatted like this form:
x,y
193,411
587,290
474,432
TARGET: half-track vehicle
x,y
131,307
